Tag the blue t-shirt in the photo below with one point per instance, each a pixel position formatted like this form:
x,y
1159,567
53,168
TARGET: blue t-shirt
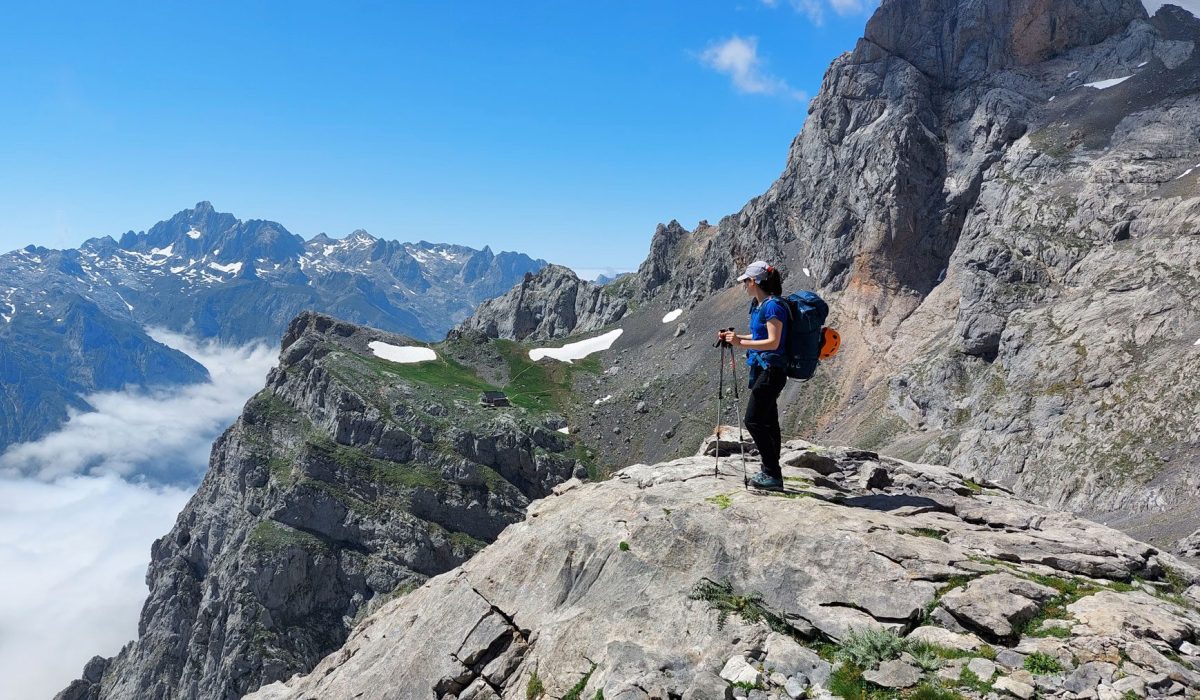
x,y
771,308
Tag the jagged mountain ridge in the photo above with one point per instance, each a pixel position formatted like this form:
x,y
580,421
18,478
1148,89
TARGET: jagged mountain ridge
x,y
1000,200
347,480
210,275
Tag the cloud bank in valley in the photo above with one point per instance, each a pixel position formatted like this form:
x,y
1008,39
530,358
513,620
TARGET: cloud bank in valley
x,y
158,435
80,507
74,554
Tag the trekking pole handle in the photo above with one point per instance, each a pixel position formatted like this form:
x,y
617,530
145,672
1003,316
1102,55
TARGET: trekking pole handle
x,y
723,343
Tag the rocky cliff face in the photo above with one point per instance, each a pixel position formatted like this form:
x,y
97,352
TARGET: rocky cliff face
x,y
999,199
673,581
550,304
349,479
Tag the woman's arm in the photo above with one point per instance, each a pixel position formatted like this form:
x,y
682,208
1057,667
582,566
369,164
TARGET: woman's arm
x,y
771,343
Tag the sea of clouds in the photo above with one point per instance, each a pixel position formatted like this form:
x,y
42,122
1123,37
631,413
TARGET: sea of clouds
x,y
80,507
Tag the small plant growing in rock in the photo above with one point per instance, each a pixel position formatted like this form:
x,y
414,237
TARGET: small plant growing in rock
x,y
865,648
721,597
721,501
576,690
847,682
928,691
624,546
1041,663
534,690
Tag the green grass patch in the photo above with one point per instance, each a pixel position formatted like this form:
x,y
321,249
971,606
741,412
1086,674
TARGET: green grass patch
x,y
395,474
721,501
281,470
929,691
847,682
974,487
1041,663
970,680
925,532
541,386
269,535
576,690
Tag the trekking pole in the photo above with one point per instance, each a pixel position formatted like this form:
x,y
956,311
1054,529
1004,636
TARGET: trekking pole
x,y
737,404
721,344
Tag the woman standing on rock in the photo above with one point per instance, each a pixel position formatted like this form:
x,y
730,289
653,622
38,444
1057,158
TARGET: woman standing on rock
x,y
767,362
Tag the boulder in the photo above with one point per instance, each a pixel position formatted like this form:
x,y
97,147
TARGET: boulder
x,y
996,603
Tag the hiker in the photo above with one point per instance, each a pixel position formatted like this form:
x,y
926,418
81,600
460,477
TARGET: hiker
x,y
767,362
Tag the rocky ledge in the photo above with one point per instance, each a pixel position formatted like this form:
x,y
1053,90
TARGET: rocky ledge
x,y
865,577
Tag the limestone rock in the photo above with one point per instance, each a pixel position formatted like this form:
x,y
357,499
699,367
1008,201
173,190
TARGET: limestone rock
x,y
894,674
939,636
994,604
1014,687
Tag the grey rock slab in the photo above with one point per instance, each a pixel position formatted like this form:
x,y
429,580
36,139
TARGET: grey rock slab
x,y
1014,687
994,604
1010,659
983,668
1130,684
1134,614
942,637
738,670
785,656
796,687
1088,676
894,674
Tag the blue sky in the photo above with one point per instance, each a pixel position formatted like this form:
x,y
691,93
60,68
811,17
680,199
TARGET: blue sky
x,y
563,129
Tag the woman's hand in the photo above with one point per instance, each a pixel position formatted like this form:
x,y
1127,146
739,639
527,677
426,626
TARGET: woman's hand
x,y
731,338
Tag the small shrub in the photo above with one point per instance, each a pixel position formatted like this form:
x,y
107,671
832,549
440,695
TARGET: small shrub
x,y
534,690
577,690
624,546
866,648
1177,582
926,657
1041,663
722,598
599,695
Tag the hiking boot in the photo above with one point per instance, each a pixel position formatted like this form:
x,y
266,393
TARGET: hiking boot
x,y
763,481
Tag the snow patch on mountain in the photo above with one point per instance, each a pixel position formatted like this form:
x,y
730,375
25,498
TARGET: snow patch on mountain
x,y
230,268
401,353
1106,84
577,350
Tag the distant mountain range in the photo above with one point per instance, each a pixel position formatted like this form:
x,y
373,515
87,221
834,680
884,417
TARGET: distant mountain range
x,y
72,321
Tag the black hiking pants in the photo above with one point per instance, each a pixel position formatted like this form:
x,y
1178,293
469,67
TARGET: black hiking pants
x,y
762,415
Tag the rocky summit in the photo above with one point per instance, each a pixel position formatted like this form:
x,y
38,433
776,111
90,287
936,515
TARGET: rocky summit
x,y
866,574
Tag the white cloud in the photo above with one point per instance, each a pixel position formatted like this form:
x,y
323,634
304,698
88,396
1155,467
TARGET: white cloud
x,y
738,58
162,435
815,9
74,554
75,537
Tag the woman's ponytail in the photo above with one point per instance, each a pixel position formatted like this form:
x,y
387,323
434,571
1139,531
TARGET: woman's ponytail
x,y
773,284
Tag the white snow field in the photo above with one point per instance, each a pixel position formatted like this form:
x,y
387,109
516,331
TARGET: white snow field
x,y
577,350
402,354
1106,84
672,315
